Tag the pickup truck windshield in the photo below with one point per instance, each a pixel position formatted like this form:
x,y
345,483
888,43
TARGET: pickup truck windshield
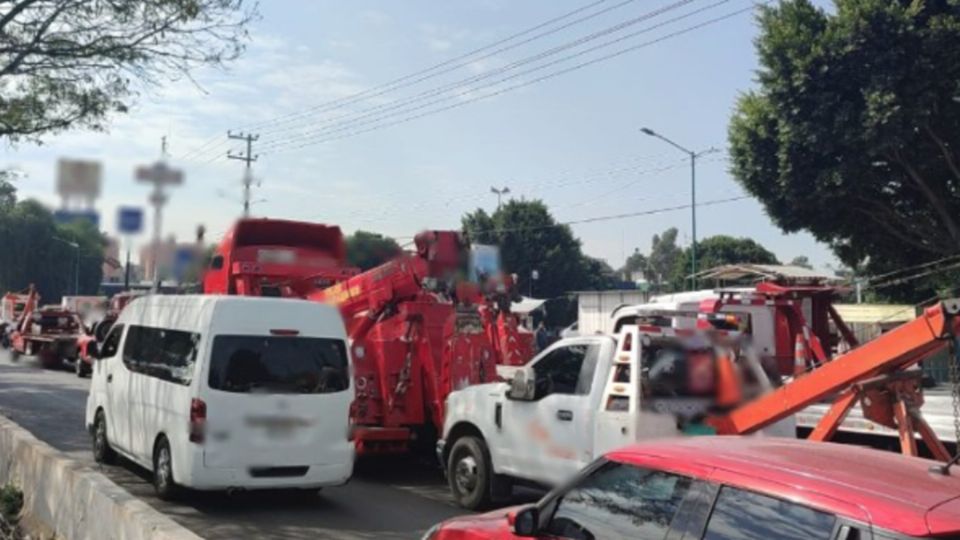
x,y
278,365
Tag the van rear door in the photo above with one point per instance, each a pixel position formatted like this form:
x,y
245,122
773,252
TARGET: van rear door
x,y
276,401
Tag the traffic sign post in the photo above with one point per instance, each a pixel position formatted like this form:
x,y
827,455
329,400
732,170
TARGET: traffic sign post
x,y
129,222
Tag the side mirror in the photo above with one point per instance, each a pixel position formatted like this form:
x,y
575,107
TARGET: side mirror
x,y
526,521
522,385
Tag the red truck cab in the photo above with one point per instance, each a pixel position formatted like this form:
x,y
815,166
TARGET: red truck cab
x,y
274,257
730,488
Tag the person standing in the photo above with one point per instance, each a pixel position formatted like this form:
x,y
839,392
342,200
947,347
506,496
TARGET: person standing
x,y
543,340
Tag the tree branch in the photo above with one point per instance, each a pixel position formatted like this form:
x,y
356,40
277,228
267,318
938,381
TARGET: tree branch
x,y
945,150
952,229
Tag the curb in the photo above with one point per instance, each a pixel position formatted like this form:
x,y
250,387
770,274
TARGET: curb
x,y
73,500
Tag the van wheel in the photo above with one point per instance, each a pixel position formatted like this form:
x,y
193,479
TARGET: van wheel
x,y
163,471
470,473
102,453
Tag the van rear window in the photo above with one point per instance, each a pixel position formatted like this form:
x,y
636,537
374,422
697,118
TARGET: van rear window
x,y
278,365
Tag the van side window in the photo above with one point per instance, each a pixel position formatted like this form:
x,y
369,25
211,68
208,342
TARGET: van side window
x,y
112,343
217,262
166,354
744,515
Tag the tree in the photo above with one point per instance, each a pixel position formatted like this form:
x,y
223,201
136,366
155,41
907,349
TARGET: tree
x,y
852,132
66,63
37,251
720,250
367,250
664,254
530,239
637,262
802,261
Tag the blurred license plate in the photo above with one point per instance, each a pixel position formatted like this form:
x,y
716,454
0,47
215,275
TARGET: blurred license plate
x,y
277,426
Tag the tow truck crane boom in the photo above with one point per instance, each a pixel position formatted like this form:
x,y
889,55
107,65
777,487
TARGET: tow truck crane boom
x,y
875,374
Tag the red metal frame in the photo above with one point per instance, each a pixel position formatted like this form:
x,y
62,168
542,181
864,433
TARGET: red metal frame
x,y
872,374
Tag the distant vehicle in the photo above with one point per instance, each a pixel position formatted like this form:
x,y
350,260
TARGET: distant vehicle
x,y
733,488
217,392
50,333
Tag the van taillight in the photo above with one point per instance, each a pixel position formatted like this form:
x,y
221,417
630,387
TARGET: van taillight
x,y
198,420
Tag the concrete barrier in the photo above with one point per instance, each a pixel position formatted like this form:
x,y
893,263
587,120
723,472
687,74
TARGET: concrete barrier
x,y
73,500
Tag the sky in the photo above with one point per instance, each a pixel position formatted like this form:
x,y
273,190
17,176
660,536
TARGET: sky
x,y
384,161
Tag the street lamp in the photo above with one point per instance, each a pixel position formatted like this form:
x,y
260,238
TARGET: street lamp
x,y
76,266
693,195
499,193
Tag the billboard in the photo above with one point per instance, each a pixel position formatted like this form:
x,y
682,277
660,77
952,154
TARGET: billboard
x,y
129,220
65,217
78,178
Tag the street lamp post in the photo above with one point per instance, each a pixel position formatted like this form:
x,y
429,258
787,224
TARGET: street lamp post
x,y
693,195
76,264
499,193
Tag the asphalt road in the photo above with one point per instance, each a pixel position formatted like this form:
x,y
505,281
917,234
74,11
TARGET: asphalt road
x,y
386,499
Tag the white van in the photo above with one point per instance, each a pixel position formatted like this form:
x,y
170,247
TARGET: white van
x,y
225,392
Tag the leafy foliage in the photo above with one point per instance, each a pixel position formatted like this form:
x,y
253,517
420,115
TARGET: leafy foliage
x,y
530,239
636,262
802,261
852,133
37,250
720,250
664,254
367,250
70,63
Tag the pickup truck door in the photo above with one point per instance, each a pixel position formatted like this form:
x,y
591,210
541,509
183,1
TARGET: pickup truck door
x,y
550,438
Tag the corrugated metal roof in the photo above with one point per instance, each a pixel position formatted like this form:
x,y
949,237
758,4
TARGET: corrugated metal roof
x,y
768,271
876,313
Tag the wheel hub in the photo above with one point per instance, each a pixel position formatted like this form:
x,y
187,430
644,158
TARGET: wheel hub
x,y
466,474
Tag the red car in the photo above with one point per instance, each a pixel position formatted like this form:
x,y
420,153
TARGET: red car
x,y
731,488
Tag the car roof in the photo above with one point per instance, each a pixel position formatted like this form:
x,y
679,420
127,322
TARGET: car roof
x,y
895,492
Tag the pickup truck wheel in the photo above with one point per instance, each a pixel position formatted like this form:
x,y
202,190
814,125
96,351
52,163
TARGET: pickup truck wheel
x,y
102,453
470,473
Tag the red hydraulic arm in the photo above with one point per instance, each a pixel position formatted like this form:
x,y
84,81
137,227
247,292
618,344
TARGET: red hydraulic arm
x,y
438,254
874,374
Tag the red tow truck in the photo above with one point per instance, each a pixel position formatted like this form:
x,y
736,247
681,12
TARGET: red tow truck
x,y
418,330
51,333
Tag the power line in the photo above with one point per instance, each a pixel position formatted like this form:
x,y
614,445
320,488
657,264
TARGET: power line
x,y
366,113
319,140
605,218
451,64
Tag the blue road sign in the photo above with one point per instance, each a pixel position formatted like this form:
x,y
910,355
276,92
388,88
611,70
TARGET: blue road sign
x,y
130,220
72,216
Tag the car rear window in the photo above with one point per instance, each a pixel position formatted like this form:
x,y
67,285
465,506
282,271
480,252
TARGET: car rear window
x,y
278,365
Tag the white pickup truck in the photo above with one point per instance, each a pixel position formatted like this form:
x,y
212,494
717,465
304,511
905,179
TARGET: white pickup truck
x,y
579,398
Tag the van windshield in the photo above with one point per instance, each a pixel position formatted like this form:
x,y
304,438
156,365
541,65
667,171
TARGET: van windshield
x,y
278,365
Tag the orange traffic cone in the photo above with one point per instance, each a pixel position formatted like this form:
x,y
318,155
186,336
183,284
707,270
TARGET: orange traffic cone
x,y
729,392
799,356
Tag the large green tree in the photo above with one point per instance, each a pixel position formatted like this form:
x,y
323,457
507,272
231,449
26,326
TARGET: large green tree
x,y
530,239
664,253
367,250
853,132
66,63
720,250
39,251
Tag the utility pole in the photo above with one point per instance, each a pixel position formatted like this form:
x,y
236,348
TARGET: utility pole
x,y
247,157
